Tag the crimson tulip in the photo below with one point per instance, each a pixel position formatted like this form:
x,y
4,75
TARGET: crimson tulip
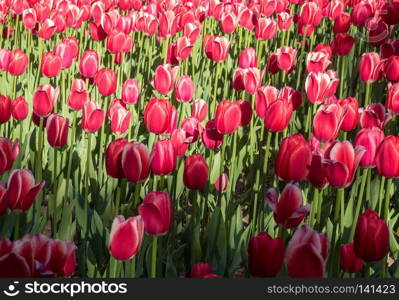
x,y
51,64
113,158
184,90
156,212
370,139
228,117
93,117
196,172
387,157
18,62
89,63
135,161
164,78
130,91
44,99
159,115
57,128
20,109
78,95
348,260
327,122
163,158
9,151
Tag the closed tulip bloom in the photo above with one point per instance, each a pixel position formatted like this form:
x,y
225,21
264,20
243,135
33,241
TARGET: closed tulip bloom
x,y
370,67
293,158
340,163
348,260
278,115
229,22
391,13
20,109
307,248
265,28
5,56
93,117
216,47
184,90
9,151
156,212
200,270
317,176
199,109
44,99
113,158
327,122
47,30
392,101
265,255
310,14
130,91
57,128
247,79
163,158
78,95
118,42
88,65
248,59
246,112
391,68
265,96
342,44
370,139
18,62
167,24
284,21
342,23
64,51
180,141
371,241
211,137
374,115
73,46
29,18
51,64
5,109
317,62
126,237
196,172
183,48
191,127
351,117
321,86
164,78
119,116
288,209
106,81
286,58
387,157
291,95
378,32
158,115
228,117
361,13
21,190
221,182
135,162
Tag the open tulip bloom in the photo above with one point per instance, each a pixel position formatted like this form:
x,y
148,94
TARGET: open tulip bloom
x,y
199,139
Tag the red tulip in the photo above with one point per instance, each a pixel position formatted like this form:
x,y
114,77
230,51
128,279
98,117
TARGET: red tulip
x,y
73,46
265,96
89,63
248,59
370,67
378,32
221,182
5,109
374,115
316,175
351,117
293,158
44,100
246,112
286,58
317,62
340,163
362,12
164,78
199,109
158,115
391,68
93,117
392,101
310,14
284,21
278,115
321,86
29,18
167,24
211,137
5,56
57,130
78,95
342,23
192,31
106,81
265,255
327,122
200,270
64,51
130,91
126,237
371,241
228,117
216,47
21,190
135,162
119,116
196,172
51,64
307,248
370,139
247,79
265,28
118,42
163,158
18,62
289,210
179,141
190,126
348,260
387,157
184,90
20,108
156,212
390,13
8,153
113,158
342,44
47,29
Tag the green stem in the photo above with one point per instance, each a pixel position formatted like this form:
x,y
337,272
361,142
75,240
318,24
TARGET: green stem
x,y
154,256
359,203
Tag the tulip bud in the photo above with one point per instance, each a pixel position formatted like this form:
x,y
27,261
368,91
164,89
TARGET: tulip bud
x,y
371,241
126,237
93,117
374,115
392,102
78,95
21,190
158,115
211,137
130,91
199,109
248,59
265,255
307,248
156,212
113,158
196,172
321,86
327,122
284,21
164,78
289,210
317,62
342,23
265,96
387,157
8,153
184,90
163,158
310,14
342,44
57,130
106,81
293,158
119,116
370,139
351,115
286,58
51,64
221,182
64,51
391,68
44,100
228,117
200,270
20,109
89,63
18,62
370,67
5,109
278,115
135,162
265,28
216,47
348,260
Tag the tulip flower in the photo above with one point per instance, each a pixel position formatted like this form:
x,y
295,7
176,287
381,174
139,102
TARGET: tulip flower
x,y
184,90
20,109
342,23
327,122
374,115
44,99
317,62
229,22
371,241
248,59
158,115
18,62
180,141
190,126
9,151
130,91
89,63
221,182
370,67
200,270
64,51
288,209
163,158
392,101
309,248
196,172
167,24
321,86
378,32
391,68
21,190
126,237
135,162
113,158
246,112
47,29
316,175
118,42
265,28
78,95
362,12
387,157
211,137
164,78
106,81
29,18
351,116
370,139
228,117
156,212
6,109
342,44
286,58
5,56
93,117
310,14
199,109
284,21
264,97
293,158
216,47
247,79
391,13
348,260
278,115
340,163
119,116
57,128
51,64
265,255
